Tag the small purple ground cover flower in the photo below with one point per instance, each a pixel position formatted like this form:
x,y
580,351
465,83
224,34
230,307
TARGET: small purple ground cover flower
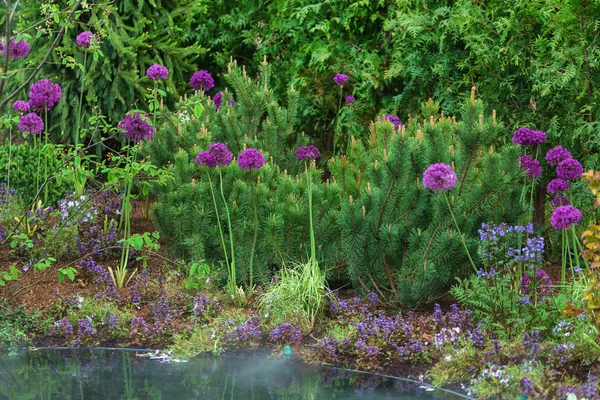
x,y
202,80
528,137
439,177
31,123
44,94
556,155
136,128
564,217
286,333
251,159
84,39
340,79
157,72
530,166
17,50
307,153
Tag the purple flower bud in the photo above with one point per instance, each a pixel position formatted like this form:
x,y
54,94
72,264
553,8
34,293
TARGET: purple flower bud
x,y
44,94
564,217
307,153
439,177
556,155
202,80
530,166
569,169
218,100
340,79
157,72
31,123
136,128
560,201
528,137
85,39
350,99
394,120
557,185
251,159
206,159
21,106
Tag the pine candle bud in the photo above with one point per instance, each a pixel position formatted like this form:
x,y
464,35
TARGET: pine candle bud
x,y
179,130
364,212
493,117
350,199
480,122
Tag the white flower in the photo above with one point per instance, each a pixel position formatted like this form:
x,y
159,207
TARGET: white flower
x,y
448,358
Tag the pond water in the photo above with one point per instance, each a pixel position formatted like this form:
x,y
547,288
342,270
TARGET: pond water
x,y
115,374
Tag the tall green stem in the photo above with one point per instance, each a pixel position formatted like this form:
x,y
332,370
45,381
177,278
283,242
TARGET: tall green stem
x,y
212,192
563,259
313,251
232,276
9,164
255,228
337,121
462,239
46,156
80,105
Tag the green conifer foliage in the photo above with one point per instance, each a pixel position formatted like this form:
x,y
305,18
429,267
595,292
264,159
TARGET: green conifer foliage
x,y
184,212
397,237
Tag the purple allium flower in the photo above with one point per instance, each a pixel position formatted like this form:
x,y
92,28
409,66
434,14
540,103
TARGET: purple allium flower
x,y
206,159
350,99
557,185
157,72
202,80
218,100
31,123
21,106
556,155
528,137
17,50
530,166
560,201
340,79
221,153
44,94
394,120
569,169
84,39
565,217
251,159
307,153
136,128
439,177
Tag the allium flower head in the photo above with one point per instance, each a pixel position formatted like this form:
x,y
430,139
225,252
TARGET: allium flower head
x,y
218,100
569,169
157,72
307,153
251,159
564,217
560,201
528,137
206,159
350,99
202,80
44,94
84,39
31,123
394,120
221,153
136,128
21,106
17,50
557,185
439,177
340,79
556,155
530,166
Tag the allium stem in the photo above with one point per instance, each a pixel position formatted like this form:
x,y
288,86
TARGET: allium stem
x,y
80,105
313,251
212,192
563,258
46,156
462,239
337,121
9,162
232,276
255,228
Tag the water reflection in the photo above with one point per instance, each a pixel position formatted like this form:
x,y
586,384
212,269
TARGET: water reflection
x,y
107,374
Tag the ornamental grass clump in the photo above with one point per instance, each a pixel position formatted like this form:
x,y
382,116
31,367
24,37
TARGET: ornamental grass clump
x,y
220,155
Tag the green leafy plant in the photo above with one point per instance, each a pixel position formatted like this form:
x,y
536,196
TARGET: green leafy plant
x,y
197,275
